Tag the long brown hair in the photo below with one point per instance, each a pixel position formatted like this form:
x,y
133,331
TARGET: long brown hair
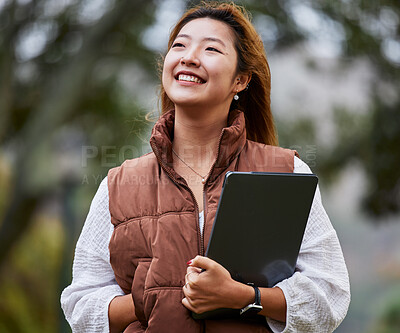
x,y
255,101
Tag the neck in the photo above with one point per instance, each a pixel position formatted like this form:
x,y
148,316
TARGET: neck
x,y
196,135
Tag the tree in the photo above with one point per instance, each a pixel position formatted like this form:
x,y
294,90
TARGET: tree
x,y
363,30
60,90
61,87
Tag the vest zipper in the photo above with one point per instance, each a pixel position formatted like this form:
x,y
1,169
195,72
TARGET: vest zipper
x,y
202,252
200,242
200,233
205,196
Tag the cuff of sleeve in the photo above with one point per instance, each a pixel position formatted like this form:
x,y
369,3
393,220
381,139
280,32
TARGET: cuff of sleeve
x,y
106,300
277,326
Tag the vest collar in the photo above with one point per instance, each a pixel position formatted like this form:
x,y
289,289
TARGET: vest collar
x,y
231,143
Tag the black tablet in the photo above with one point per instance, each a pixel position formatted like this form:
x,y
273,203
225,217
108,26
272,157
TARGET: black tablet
x,y
259,225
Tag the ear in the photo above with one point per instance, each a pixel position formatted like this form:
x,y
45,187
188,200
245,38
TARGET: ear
x,y
241,82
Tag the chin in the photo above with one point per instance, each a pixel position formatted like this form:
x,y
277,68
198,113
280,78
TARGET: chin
x,y
187,102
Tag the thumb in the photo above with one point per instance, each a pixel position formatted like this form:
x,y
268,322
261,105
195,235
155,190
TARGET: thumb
x,y
202,262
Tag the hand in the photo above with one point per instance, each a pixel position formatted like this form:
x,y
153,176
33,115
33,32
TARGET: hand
x,y
209,286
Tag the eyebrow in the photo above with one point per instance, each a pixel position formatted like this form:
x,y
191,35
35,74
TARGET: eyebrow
x,y
212,39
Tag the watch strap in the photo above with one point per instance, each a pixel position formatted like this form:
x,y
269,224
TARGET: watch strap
x,y
257,299
253,308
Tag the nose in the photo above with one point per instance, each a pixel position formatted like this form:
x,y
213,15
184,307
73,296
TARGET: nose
x,y
190,59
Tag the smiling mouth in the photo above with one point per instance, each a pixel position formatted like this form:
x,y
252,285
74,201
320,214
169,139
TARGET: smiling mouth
x,y
189,78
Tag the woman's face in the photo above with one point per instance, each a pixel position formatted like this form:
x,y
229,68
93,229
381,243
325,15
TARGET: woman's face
x,y
200,67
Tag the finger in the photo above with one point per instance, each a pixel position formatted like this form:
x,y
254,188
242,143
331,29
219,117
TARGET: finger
x,y
203,263
187,277
189,302
192,306
193,269
186,290
186,304
192,274
187,283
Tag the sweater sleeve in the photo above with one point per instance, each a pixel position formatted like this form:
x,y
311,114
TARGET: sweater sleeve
x,y
318,293
85,301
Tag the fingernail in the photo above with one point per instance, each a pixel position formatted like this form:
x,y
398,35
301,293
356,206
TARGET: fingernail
x,y
189,262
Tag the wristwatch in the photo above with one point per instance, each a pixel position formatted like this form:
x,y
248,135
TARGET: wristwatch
x,y
253,308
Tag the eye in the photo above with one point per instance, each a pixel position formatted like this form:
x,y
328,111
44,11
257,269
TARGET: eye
x,y
213,49
177,45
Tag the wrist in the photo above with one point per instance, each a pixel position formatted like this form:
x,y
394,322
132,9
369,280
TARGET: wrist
x,y
242,295
255,307
121,312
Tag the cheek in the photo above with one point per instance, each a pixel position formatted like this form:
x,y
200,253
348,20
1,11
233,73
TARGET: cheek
x,y
166,72
225,75
223,70
170,63
171,60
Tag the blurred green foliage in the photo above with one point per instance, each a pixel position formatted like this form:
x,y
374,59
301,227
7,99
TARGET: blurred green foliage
x,y
29,282
73,75
389,321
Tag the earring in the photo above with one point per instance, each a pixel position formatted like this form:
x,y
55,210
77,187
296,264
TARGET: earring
x,y
236,97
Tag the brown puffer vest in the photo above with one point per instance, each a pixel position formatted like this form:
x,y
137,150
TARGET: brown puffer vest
x,y
156,224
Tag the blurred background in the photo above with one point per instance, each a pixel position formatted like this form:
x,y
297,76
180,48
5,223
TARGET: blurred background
x,y
77,78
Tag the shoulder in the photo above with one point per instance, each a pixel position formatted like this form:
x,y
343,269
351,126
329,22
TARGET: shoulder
x,y
252,145
132,167
132,186
139,162
278,158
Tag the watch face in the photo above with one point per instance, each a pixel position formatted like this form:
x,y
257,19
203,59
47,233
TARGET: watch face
x,y
251,309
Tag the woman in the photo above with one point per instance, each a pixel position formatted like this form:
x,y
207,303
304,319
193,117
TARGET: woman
x,y
146,270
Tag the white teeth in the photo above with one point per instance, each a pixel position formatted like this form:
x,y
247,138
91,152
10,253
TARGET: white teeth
x,y
189,78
